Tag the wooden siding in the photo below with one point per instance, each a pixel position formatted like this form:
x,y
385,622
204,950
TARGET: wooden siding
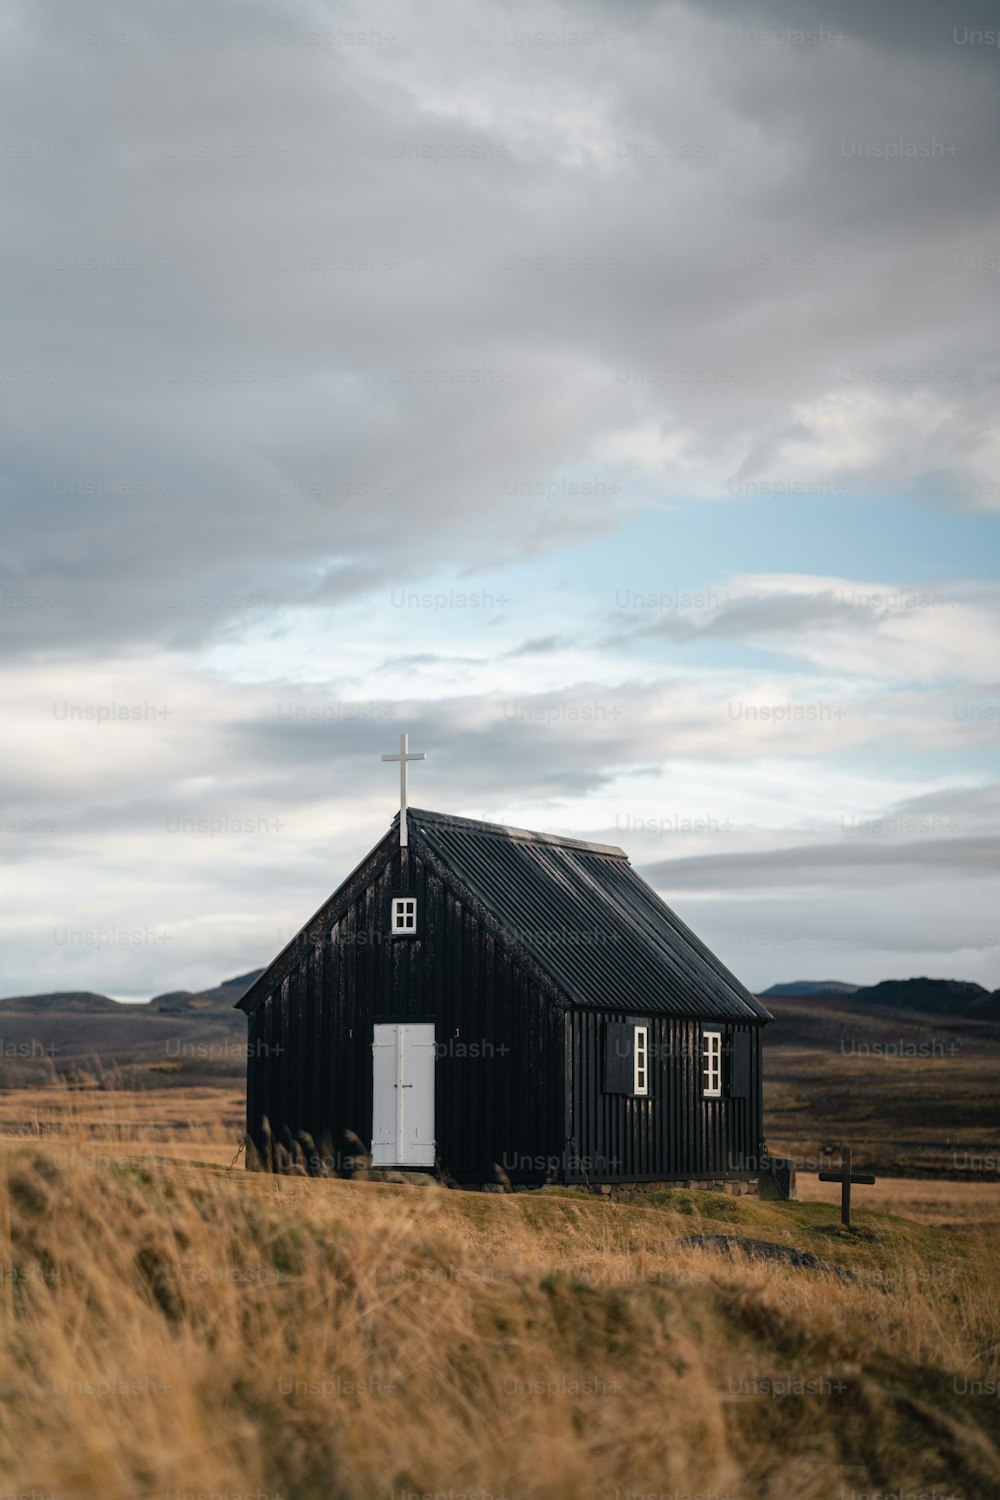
x,y
673,1132
499,1080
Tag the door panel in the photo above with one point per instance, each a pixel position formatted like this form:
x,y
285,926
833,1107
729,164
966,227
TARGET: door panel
x,y
403,1095
384,1108
417,1122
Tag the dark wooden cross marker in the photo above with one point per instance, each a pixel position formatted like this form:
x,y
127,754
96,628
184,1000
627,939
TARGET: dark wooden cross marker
x,y
845,1177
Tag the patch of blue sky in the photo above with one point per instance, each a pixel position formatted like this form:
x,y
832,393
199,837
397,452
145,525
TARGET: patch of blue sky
x,y
692,546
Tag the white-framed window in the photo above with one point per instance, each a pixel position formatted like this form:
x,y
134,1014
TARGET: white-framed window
x,y
711,1064
640,1060
404,915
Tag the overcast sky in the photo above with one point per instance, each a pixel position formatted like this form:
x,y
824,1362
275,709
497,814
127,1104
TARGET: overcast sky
x,y
605,394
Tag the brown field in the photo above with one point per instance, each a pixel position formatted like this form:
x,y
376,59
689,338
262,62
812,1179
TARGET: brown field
x,y
903,1116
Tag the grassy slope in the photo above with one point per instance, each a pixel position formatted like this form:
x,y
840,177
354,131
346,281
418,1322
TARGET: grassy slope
x,y
347,1340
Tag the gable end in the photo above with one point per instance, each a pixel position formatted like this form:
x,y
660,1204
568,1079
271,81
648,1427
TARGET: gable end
x,y
329,913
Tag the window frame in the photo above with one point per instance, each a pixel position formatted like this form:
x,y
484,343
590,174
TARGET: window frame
x,y
711,1064
397,908
640,1062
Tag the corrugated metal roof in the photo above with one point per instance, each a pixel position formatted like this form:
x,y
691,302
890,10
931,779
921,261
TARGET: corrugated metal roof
x,y
587,918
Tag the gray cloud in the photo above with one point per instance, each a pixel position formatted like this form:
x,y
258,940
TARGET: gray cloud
x,y
858,863
284,398
898,27
538,646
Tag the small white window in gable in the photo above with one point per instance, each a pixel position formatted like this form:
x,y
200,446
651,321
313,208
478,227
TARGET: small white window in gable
x,y
711,1064
640,1056
404,914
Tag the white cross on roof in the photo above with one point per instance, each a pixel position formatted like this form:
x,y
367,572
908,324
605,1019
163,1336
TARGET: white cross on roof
x,y
405,755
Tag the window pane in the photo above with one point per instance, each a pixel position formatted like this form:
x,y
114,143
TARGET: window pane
x,y
712,1065
404,914
640,1081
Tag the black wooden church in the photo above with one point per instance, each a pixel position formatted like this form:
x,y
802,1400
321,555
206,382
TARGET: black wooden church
x,y
489,1004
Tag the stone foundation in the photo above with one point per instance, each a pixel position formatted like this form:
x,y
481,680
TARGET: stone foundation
x,y
628,1192
778,1182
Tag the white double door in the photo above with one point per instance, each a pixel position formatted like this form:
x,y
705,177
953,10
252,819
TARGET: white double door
x,y
403,1095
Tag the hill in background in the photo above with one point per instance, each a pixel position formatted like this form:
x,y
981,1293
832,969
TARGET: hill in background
x,y
71,1002
181,1038
224,996
945,997
810,987
815,1012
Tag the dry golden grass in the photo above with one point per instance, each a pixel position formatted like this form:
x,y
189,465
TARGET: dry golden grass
x,y
183,1122
973,1207
171,1327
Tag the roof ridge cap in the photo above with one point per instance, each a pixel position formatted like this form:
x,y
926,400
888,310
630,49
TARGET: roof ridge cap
x,y
520,835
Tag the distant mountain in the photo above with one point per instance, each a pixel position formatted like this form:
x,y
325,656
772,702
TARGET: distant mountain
x,y
62,1000
172,1041
178,1002
223,997
811,987
945,997
895,1010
